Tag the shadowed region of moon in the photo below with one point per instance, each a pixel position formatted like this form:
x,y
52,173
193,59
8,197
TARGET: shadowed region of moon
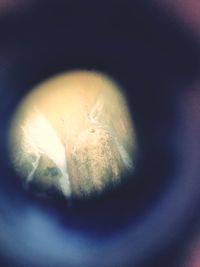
x,y
73,134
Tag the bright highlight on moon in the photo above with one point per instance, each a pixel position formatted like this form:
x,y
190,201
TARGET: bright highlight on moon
x,y
73,135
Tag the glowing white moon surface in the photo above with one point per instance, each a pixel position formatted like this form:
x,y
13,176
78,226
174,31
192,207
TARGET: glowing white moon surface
x,y
73,134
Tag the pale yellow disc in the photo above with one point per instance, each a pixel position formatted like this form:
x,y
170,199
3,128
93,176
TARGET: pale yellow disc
x,y
73,134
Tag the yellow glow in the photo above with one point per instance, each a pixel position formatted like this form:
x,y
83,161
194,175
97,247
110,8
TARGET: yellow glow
x,y
73,133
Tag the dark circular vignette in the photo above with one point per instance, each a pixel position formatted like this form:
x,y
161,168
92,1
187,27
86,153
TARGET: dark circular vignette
x,y
145,221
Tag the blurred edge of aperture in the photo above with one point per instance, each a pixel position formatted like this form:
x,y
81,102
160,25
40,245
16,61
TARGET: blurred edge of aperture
x,y
187,11
9,7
